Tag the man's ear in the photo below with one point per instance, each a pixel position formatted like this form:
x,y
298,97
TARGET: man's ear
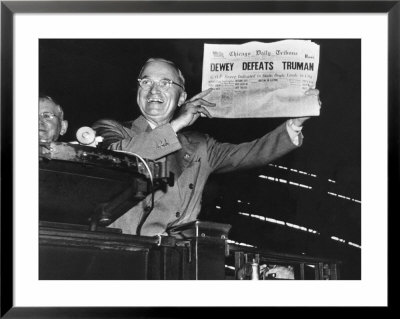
x,y
64,127
182,98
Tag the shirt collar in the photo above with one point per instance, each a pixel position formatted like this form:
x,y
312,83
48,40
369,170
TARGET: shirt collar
x,y
151,125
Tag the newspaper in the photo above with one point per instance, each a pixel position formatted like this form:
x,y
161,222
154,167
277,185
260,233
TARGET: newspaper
x,y
257,79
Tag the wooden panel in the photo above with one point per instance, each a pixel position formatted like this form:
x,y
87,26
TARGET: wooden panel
x,y
79,263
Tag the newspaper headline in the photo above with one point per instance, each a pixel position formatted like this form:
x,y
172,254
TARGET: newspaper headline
x,y
257,79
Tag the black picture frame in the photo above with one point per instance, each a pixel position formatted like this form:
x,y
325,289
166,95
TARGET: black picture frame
x,y
9,8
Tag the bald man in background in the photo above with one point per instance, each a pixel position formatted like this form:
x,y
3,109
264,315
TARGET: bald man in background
x,y
51,120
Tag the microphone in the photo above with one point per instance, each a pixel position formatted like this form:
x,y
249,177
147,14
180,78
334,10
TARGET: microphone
x,y
87,136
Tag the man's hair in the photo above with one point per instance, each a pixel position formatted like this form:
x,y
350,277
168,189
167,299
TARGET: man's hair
x,y
180,74
43,97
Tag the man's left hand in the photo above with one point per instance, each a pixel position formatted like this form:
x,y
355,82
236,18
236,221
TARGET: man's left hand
x,y
299,121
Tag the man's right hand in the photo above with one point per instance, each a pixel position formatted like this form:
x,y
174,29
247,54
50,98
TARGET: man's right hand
x,y
190,111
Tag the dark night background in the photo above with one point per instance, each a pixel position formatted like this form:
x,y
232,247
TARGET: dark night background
x,y
95,79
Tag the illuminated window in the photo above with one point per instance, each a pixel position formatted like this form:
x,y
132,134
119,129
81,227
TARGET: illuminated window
x,y
338,239
240,244
280,222
293,170
283,181
353,244
344,197
245,214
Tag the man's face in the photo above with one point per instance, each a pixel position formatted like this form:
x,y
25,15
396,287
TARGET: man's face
x,y
50,128
157,106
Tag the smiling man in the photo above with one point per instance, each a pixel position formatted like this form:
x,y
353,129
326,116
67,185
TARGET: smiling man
x,y
51,120
161,90
190,156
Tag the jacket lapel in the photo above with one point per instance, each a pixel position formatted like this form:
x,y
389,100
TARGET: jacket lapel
x,y
140,125
177,161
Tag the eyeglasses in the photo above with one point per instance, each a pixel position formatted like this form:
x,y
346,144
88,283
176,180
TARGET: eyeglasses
x,y
47,116
163,85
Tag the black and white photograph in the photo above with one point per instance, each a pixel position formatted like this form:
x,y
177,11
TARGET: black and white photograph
x,y
159,162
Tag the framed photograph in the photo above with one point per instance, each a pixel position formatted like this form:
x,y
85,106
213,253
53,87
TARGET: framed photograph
x,y
327,200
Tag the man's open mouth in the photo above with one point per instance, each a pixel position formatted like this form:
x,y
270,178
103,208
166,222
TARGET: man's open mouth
x,y
155,100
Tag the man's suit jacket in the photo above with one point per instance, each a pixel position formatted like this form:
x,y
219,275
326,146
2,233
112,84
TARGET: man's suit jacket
x,y
192,157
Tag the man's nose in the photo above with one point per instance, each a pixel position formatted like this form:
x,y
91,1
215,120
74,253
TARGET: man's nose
x,y
154,88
